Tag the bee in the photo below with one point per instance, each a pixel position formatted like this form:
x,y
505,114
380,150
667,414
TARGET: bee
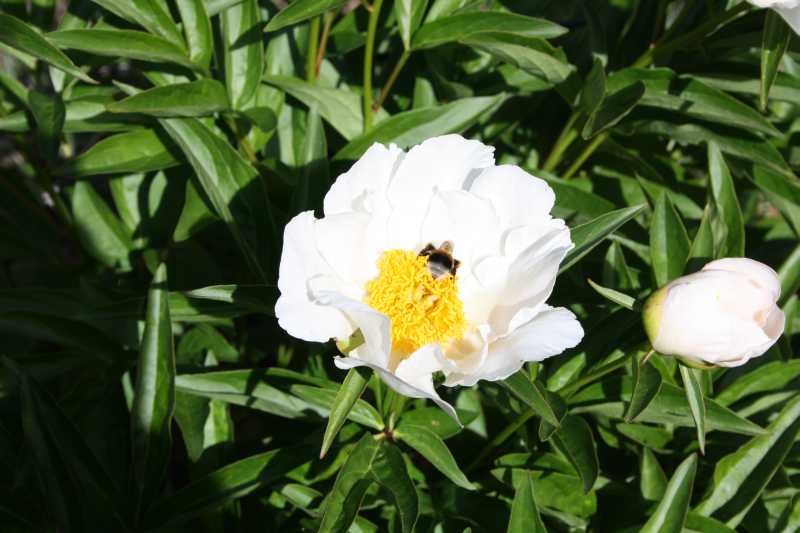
x,y
440,260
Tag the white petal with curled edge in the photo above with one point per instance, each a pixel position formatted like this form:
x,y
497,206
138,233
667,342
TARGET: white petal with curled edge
x,y
375,326
519,198
548,333
366,181
413,376
791,15
755,270
301,263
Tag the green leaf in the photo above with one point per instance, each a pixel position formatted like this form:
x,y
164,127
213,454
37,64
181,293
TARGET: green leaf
x,y
549,406
669,242
436,420
614,108
466,25
371,461
342,109
740,477
324,398
776,37
121,43
409,15
197,27
646,384
24,38
244,53
703,243
233,186
101,233
575,441
141,150
587,236
731,227
770,377
301,10
433,448
594,88
524,511
154,402
351,389
412,127
149,14
653,481
618,298
49,114
227,484
691,98
670,515
694,395
191,413
668,407
535,56
194,99
783,192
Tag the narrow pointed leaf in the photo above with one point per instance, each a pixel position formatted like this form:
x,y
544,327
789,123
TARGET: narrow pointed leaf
x,y
464,25
409,15
197,27
122,43
150,15
24,38
99,230
142,150
646,384
549,407
739,478
776,37
351,389
301,10
194,99
524,511
49,113
244,52
587,236
694,395
614,108
670,515
618,298
731,226
433,448
154,402
575,441
669,242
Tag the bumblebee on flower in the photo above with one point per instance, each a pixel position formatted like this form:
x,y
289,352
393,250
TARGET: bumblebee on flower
x,y
441,259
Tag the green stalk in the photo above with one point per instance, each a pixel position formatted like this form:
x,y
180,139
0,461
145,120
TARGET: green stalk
x,y
568,135
311,53
585,154
323,41
372,28
392,79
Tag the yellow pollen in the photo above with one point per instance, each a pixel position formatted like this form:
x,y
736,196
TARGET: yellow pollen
x,y
423,310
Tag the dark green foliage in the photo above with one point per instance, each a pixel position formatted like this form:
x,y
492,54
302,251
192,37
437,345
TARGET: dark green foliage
x,y
152,151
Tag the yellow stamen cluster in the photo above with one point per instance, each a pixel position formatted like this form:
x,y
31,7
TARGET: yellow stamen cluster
x,y
423,310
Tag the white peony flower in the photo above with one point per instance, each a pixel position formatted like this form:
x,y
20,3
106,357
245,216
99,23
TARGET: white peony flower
x,y
724,315
789,10
360,268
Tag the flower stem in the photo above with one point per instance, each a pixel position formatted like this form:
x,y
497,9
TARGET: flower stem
x,y
392,79
311,54
372,28
585,154
323,41
698,33
565,139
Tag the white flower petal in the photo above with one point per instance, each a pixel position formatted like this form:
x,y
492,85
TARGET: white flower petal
x,y
758,272
549,333
300,263
464,219
530,279
343,243
438,164
413,376
519,198
375,327
365,183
